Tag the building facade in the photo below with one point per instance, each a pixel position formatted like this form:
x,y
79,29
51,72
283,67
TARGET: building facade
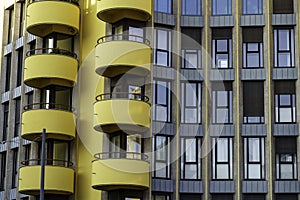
x,y
160,100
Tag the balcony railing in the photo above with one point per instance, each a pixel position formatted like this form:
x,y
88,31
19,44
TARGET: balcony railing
x,y
121,155
57,51
70,1
48,161
122,37
122,95
50,106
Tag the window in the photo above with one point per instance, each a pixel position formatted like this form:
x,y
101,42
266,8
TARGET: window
x,y
162,151
14,168
8,72
283,7
191,7
253,48
190,48
221,7
190,196
254,158
254,197
10,25
22,18
222,197
32,47
285,102
284,47
128,30
286,196
164,6
5,121
286,158
55,97
251,7
30,100
222,158
2,170
222,103
222,48
161,197
20,67
162,101
17,117
253,102
27,149
162,47
191,102
191,158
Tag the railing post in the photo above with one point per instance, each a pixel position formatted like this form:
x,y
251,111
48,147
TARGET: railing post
x,y
42,183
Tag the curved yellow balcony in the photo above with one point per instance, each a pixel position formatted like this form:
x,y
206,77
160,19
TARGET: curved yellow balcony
x,y
112,11
46,17
119,54
58,180
110,171
59,124
122,111
59,67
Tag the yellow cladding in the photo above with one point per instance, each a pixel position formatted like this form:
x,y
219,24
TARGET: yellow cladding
x,y
50,69
116,114
58,124
120,173
117,57
114,10
45,17
58,180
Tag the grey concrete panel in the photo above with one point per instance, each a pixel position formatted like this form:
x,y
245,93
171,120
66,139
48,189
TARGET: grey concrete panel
x,y
162,185
191,130
285,74
216,130
164,18
287,187
190,187
17,92
7,49
253,74
192,21
222,74
221,21
163,72
254,187
252,20
284,19
5,97
222,187
192,74
20,42
285,129
254,130
163,128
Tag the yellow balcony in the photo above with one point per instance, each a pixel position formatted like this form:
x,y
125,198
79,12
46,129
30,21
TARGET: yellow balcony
x,y
119,54
112,171
122,111
46,17
58,179
58,121
112,11
53,67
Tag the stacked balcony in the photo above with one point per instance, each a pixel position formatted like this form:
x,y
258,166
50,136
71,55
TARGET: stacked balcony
x,y
123,58
53,70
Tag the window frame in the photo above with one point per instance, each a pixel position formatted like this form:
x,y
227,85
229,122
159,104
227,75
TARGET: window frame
x,y
198,8
14,171
261,161
168,97
3,170
166,161
215,53
292,107
215,8
167,51
5,121
167,10
259,8
8,72
246,51
17,128
20,67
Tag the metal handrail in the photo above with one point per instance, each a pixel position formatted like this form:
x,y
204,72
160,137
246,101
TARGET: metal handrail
x,y
49,106
37,160
51,51
75,2
122,95
120,155
120,37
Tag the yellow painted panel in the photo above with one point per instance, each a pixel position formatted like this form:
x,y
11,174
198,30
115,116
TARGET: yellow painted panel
x,y
59,124
116,114
58,180
116,57
45,17
46,69
120,173
114,10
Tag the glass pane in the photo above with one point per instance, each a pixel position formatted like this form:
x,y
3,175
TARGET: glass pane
x,y
162,6
162,42
190,154
191,99
222,99
285,100
284,60
286,171
134,143
161,170
190,115
222,45
162,58
222,171
136,32
222,150
116,144
222,115
285,114
254,149
254,171
284,40
286,157
253,60
191,60
191,7
161,148
190,171
252,46
252,7
222,61
161,87
221,7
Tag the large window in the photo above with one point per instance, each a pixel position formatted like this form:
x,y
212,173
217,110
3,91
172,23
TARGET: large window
x,y
286,158
222,103
222,158
5,121
122,142
191,102
55,97
17,117
14,170
10,24
8,72
283,7
191,7
164,6
284,49
253,47
2,170
254,158
285,102
221,7
222,48
190,48
20,67
162,101
253,102
22,18
251,7
191,158
162,47
161,156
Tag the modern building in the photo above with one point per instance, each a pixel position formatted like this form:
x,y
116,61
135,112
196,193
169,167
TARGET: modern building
x,y
150,100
